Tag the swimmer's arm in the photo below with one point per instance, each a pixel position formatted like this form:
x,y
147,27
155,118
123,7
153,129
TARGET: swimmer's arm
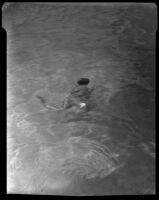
x,y
66,102
74,90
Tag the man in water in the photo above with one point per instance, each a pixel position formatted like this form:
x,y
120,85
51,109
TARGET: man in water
x,y
77,99
79,96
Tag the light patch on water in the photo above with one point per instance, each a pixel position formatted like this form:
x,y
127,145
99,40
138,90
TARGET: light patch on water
x,y
149,149
57,184
10,183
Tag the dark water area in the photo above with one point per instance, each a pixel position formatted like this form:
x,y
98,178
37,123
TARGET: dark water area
x,y
50,47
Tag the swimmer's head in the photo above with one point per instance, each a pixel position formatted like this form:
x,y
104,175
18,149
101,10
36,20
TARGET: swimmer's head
x,y
83,81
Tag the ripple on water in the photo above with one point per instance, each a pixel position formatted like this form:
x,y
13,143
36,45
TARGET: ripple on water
x,y
96,161
74,158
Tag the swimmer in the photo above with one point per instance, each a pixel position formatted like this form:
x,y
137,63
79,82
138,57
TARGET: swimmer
x,y
77,98
79,95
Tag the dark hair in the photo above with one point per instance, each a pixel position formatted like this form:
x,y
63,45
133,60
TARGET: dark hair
x,y
83,81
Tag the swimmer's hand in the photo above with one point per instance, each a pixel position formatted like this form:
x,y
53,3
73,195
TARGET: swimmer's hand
x,y
82,105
